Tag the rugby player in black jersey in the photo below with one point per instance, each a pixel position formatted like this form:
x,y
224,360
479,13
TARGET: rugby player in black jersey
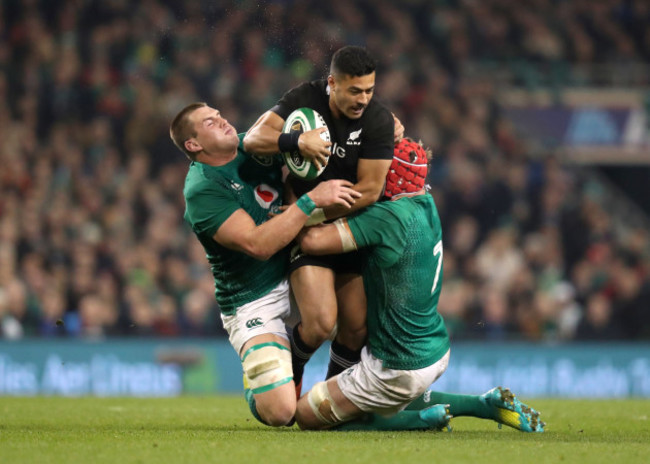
x,y
329,289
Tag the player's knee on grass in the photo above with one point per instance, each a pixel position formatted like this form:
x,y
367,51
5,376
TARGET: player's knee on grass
x,y
269,375
277,407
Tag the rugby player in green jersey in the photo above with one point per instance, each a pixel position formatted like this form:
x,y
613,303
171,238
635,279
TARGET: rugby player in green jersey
x,y
229,195
408,345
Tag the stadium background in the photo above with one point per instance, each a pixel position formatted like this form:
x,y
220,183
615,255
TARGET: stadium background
x,y
537,113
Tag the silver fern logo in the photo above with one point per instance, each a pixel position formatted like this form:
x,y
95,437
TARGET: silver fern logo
x,y
353,138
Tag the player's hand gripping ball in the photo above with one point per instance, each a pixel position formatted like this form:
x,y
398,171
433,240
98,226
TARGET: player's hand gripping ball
x,y
408,171
303,120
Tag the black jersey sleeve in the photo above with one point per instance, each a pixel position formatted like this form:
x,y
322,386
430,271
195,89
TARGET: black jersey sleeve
x,y
378,136
298,97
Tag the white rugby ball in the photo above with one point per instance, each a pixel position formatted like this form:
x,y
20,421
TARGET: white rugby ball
x,y
303,120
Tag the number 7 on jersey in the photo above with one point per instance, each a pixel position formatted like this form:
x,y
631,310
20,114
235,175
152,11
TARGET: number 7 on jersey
x,y
437,251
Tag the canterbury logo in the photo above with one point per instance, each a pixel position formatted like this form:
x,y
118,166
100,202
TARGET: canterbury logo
x,y
252,323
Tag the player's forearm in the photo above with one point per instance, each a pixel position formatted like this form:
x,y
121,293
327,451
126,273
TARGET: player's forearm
x,y
262,139
371,175
276,233
369,195
320,240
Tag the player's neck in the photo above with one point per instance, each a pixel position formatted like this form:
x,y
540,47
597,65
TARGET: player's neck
x,y
336,112
216,159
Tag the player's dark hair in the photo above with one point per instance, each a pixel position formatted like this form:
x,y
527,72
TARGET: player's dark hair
x,y
181,129
353,61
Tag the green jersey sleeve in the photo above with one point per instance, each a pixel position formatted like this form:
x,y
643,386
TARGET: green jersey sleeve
x,y
209,207
379,225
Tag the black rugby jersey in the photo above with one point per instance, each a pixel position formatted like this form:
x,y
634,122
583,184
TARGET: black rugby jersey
x,y
370,136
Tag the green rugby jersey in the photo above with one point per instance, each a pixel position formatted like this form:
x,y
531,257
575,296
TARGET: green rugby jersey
x,y
212,194
402,279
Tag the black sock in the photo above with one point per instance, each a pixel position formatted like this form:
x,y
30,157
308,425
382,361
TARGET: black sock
x,y
300,354
341,357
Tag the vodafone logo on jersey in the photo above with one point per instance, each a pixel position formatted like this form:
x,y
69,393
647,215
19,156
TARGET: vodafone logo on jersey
x,y
265,195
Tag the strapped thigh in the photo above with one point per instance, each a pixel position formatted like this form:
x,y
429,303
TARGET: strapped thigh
x,y
267,366
323,406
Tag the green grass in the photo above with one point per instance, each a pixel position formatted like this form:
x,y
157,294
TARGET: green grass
x,y
220,429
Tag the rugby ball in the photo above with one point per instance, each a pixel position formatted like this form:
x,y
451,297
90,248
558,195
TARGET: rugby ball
x,y
303,120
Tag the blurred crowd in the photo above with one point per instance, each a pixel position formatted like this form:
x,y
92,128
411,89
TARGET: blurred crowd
x,y
92,239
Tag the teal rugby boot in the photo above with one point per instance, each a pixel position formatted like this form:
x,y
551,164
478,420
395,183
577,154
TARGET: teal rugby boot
x,y
508,410
437,416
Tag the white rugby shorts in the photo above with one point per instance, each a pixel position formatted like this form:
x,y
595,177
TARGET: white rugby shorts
x,y
266,315
374,388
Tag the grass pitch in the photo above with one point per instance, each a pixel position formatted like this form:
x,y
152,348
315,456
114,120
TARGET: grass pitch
x,y
220,429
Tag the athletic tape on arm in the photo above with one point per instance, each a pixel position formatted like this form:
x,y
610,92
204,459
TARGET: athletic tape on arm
x,y
349,244
267,366
316,217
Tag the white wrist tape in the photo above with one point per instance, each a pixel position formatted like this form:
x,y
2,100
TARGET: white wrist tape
x,y
347,240
316,217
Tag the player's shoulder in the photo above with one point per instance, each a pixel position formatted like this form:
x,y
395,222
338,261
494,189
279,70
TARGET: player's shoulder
x,y
377,105
202,179
404,207
311,94
195,179
315,88
413,202
378,113
382,209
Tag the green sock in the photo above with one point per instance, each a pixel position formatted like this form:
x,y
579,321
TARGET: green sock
x,y
405,420
251,404
459,405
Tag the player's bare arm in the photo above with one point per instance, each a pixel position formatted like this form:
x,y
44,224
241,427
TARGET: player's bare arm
x,y
239,232
371,176
262,139
327,239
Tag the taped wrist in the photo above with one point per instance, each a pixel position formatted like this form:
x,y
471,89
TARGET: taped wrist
x,y
316,217
306,204
288,142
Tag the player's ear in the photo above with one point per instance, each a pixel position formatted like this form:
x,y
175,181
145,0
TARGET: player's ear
x,y
192,145
331,81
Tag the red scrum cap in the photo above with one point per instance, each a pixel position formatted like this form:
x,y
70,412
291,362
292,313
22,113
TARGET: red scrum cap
x,y
408,170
